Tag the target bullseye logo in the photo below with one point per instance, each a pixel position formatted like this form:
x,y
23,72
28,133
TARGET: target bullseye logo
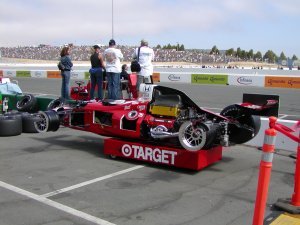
x,y
149,154
126,150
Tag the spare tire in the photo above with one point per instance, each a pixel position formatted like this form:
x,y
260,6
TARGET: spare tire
x,y
28,123
10,125
28,103
55,103
47,121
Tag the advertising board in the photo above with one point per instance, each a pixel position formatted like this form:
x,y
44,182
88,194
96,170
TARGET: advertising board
x,y
9,73
38,73
282,82
209,79
175,77
23,73
53,74
246,80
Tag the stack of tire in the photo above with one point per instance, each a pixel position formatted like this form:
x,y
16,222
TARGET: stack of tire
x,y
21,121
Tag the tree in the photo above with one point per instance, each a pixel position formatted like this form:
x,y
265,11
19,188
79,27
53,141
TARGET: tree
x,y
282,56
294,57
257,56
243,55
158,46
214,51
270,56
181,48
238,52
229,52
250,54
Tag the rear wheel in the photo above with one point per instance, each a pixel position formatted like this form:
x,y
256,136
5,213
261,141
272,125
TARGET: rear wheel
x,y
192,137
248,126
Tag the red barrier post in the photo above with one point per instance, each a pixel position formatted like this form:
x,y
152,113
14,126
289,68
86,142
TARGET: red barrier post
x,y
264,176
296,194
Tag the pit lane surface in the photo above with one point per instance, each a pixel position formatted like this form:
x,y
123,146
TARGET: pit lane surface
x,y
63,177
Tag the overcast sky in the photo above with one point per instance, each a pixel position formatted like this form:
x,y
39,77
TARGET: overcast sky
x,y
260,25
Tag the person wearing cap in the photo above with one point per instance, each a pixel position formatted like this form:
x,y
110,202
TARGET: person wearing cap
x,y
145,60
113,57
96,72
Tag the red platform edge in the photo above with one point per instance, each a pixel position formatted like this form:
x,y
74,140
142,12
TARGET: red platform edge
x,y
176,157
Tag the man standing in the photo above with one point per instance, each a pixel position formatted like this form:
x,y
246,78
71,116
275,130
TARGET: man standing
x,y
145,60
113,59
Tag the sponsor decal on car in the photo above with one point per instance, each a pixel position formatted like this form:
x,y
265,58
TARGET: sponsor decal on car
x,y
149,154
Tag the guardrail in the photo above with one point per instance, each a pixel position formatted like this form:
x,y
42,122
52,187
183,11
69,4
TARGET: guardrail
x,y
258,80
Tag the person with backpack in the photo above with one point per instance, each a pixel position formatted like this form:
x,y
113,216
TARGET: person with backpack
x,y
145,56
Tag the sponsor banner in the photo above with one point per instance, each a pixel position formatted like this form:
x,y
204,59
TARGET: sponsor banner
x,y
9,73
86,75
209,79
23,73
282,82
1,73
175,77
53,74
156,77
246,80
77,75
38,73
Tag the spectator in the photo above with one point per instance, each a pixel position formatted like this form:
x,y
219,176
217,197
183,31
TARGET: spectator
x,y
124,74
96,72
66,73
145,59
113,57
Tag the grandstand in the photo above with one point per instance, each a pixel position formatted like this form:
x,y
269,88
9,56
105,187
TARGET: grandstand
x,y
82,53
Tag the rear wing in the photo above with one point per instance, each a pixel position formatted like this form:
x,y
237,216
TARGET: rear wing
x,y
267,105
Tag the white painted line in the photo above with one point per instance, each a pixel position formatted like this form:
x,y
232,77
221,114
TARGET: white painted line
x,y
283,116
56,205
91,181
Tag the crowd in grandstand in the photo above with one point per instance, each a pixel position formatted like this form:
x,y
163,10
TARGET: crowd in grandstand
x,y
82,53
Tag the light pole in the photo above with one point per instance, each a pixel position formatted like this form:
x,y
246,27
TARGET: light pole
x,y
112,19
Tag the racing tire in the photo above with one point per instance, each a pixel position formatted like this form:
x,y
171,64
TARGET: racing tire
x,y
47,121
28,123
245,119
192,137
55,103
10,125
28,103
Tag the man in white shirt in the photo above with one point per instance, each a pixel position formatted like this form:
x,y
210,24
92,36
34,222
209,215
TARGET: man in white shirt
x,y
113,57
145,60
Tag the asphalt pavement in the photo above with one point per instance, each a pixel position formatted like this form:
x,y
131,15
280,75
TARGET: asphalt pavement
x,y
63,177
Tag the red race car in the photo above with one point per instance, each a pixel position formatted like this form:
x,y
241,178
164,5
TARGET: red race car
x,y
162,116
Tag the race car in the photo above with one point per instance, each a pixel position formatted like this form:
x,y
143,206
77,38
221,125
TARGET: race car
x,y
160,115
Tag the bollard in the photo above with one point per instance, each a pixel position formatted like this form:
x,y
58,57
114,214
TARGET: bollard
x,y
264,176
296,194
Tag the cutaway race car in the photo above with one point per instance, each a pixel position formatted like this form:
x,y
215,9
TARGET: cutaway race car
x,y
161,115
